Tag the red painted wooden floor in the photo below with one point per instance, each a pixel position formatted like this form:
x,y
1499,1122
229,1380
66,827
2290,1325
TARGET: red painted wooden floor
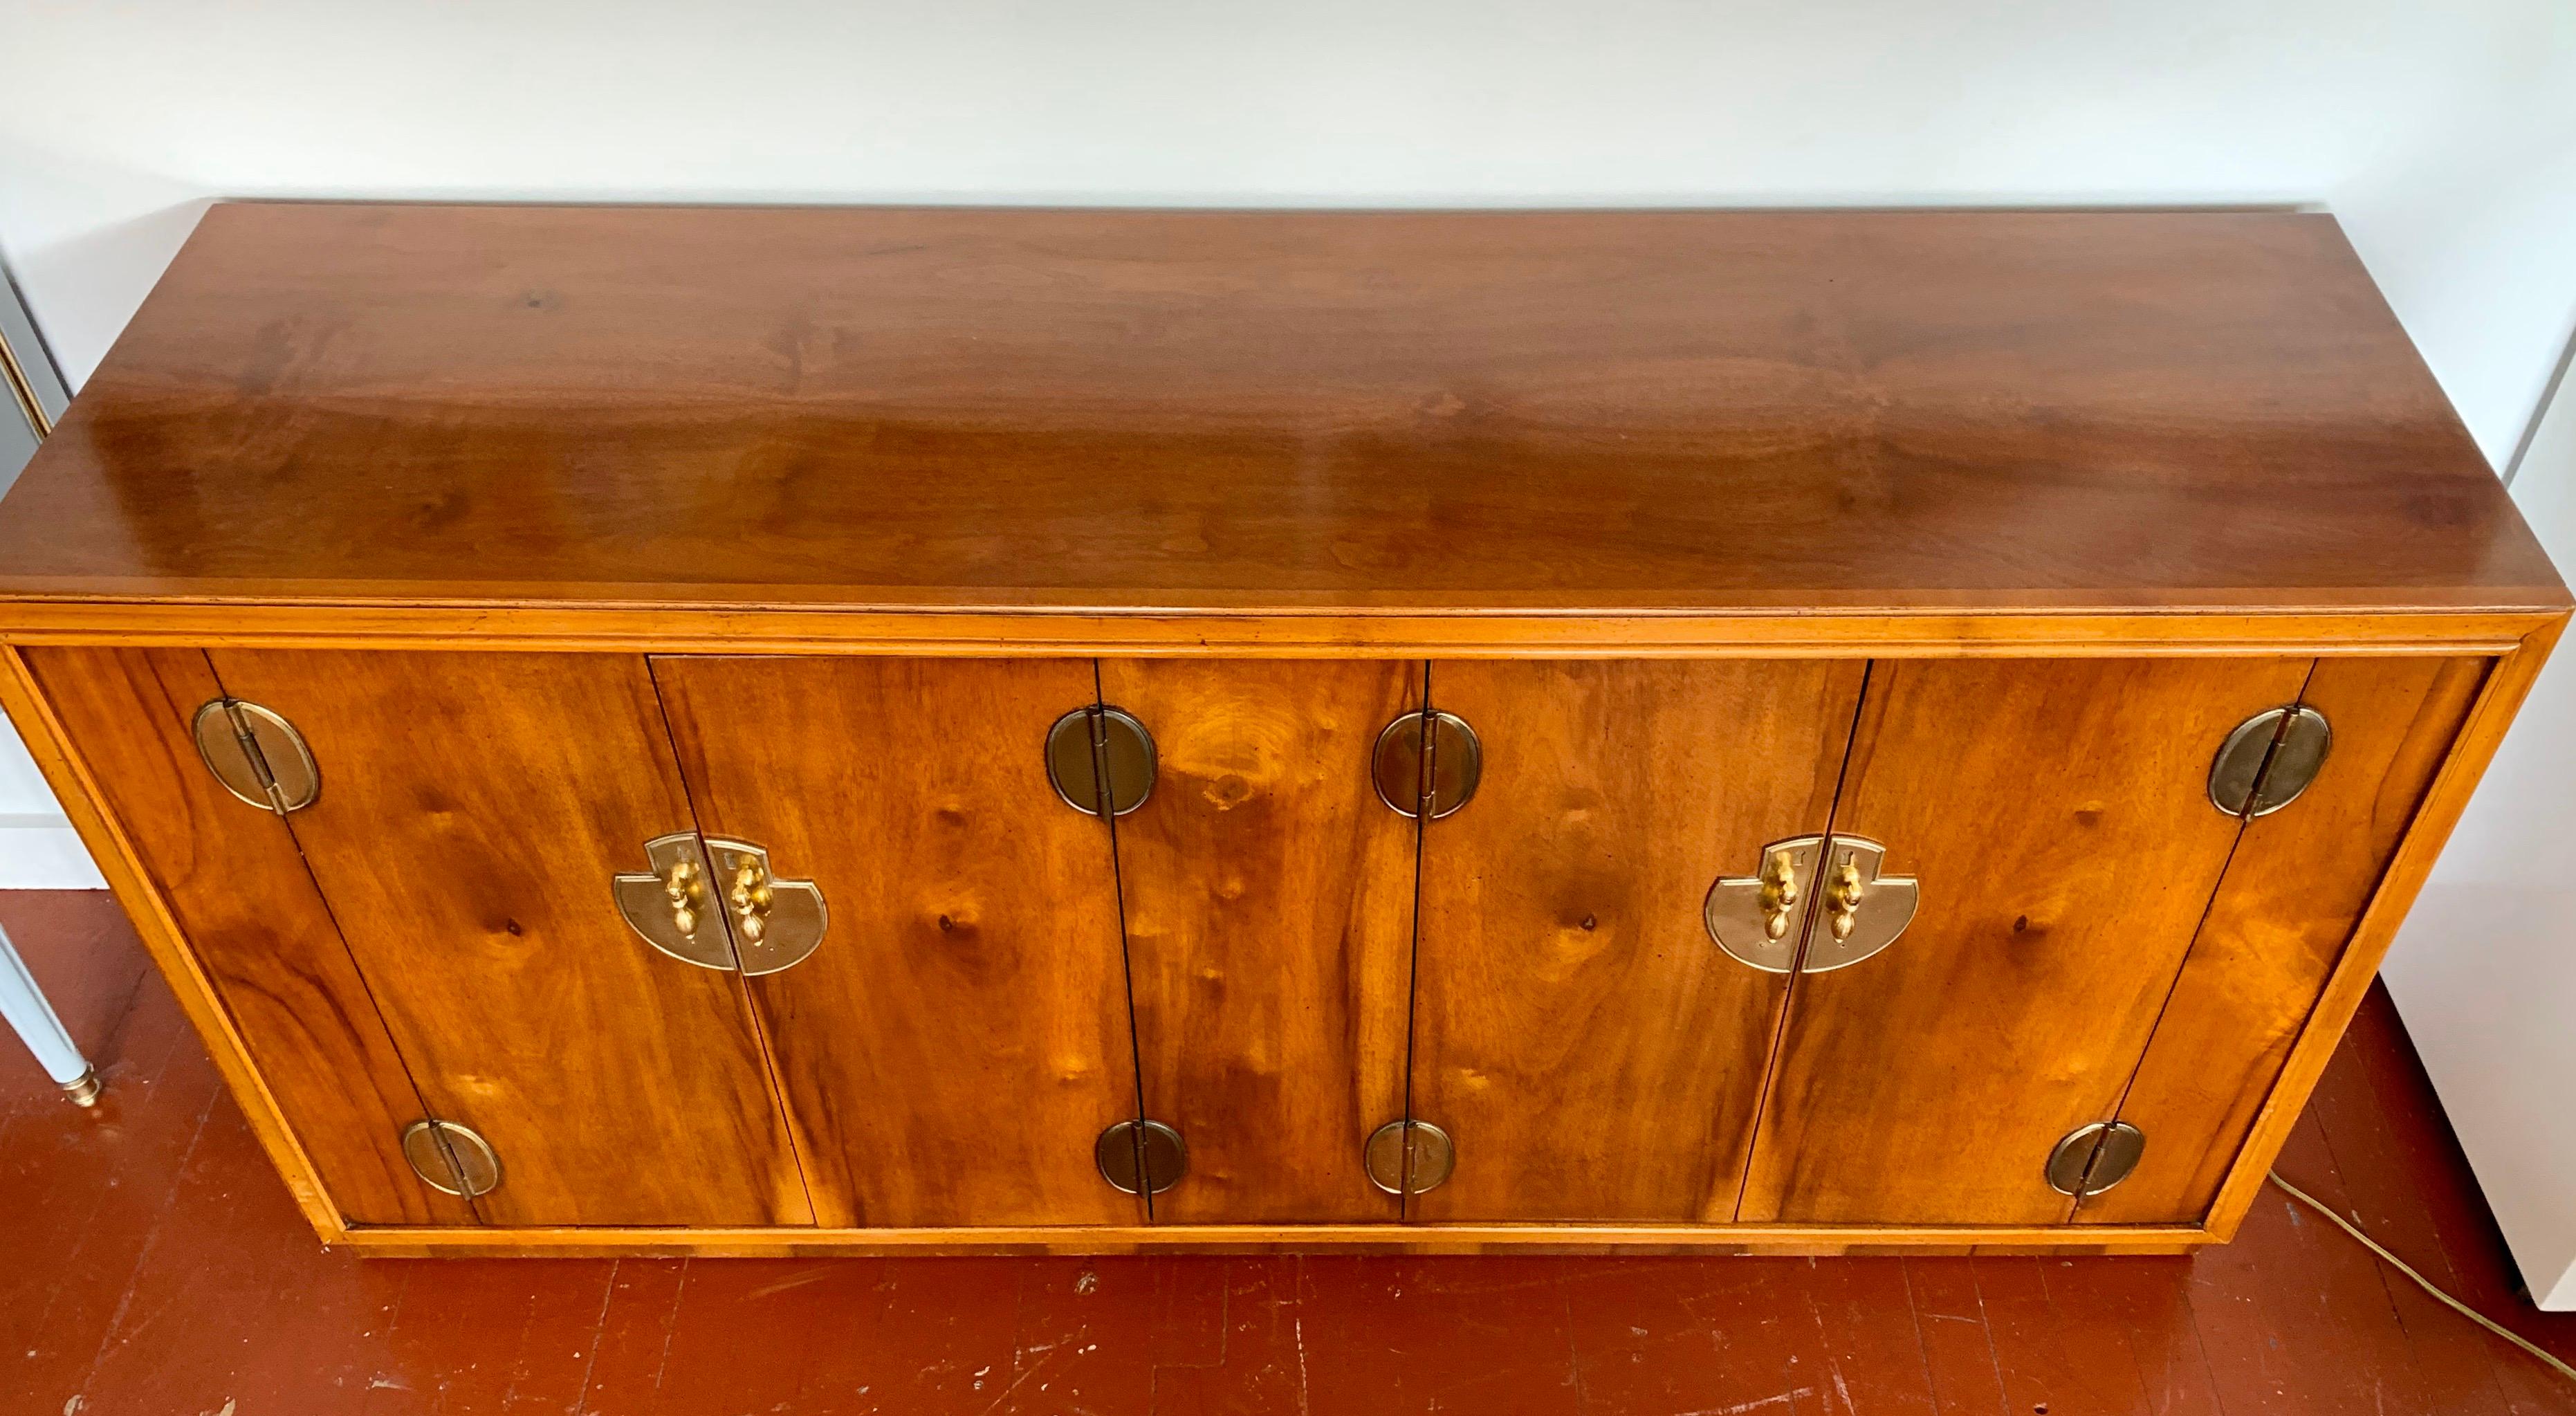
x,y
151,1263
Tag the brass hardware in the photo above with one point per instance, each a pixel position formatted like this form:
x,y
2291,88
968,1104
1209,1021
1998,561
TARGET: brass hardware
x,y
680,883
1864,910
2269,760
777,923
451,1158
1754,918
667,904
1779,895
1843,897
257,755
1408,1157
1090,747
1147,1148
1432,788
750,898
2092,1159
83,1090
767,924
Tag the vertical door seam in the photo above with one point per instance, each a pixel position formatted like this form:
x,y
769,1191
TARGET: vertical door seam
x,y
1413,957
1806,927
1104,798
2217,885
769,1068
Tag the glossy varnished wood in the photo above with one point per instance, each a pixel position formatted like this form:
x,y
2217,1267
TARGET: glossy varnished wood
x,y
961,1038
230,875
1269,908
473,808
2276,930
2057,817
1593,1055
1485,413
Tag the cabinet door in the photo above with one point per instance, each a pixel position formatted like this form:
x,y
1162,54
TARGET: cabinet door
x,y
472,811
1269,911
230,876
1590,1051
2295,890
2055,815
952,1050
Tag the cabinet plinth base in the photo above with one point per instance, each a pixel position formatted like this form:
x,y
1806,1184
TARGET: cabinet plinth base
x,y
1707,1239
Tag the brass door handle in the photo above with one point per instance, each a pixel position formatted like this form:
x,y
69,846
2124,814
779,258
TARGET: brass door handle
x,y
680,884
750,898
1779,897
1755,919
1842,899
1864,910
776,923
766,924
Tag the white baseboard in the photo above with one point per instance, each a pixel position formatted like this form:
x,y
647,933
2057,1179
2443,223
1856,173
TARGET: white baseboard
x,y
44,853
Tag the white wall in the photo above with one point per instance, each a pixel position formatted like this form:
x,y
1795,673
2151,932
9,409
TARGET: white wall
x,y
2444,135
2485,969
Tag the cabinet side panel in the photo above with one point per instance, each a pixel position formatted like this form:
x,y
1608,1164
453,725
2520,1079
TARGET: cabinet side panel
x,y
1269,908
2293,892
953,1049
230,875
1593,1054
473,810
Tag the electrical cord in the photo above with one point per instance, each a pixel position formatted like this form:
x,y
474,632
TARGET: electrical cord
x,y
2454,1304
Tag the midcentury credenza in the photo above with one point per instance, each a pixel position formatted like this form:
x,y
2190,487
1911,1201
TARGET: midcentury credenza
x,y
761,731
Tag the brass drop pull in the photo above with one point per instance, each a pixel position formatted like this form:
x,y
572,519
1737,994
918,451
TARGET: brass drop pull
x,y
766,924
1842,899
1756,918
1779,893
750,899
680,885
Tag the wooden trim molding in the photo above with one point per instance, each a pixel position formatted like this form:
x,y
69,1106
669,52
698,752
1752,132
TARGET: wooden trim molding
x,y
1027,633
1389,1238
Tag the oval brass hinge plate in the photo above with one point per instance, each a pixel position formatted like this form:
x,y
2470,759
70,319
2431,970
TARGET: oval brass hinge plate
x,y
257,755
1091,746
451,1158
2092,1159
2269,760
1456,765
1408,1157
1151,1150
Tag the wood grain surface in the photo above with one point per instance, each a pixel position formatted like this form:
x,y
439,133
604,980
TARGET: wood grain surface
x,y
230,874
173,1275
1591,1052
1189,412
2294,890
2057,817
1269,908
473,808
952,1051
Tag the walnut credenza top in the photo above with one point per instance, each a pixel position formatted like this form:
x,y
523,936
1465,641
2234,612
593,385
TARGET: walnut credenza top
x,y
1246,432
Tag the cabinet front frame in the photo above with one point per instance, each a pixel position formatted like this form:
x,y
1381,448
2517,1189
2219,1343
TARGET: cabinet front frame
x,y
2519,640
